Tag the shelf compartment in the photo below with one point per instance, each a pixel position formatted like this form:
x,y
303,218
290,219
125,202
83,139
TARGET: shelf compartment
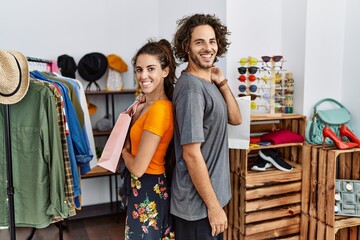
x,y
322,166
266,205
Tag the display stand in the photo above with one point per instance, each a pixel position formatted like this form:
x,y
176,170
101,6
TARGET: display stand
x,y
271,96
10,188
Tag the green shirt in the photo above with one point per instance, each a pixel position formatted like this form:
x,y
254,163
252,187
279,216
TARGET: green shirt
x,y
38,164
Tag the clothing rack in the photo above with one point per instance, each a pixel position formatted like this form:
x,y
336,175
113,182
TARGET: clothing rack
x,y
32,59
10,189
40,64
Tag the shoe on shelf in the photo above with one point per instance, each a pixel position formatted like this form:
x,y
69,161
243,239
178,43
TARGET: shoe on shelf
x,y
261,165
328,133
273,156
346,132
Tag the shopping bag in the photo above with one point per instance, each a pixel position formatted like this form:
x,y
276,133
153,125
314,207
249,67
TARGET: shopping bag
x,y
110,156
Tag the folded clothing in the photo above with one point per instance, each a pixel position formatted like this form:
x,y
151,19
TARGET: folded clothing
x,y
282,136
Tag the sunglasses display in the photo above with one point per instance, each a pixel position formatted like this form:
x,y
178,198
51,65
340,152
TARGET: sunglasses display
x,y
268,93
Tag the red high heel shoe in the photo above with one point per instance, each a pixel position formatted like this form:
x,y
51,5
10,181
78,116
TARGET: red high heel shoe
x,y
346,132
328,133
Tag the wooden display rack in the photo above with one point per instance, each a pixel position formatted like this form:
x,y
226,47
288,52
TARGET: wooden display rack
x,y
320,168
267,204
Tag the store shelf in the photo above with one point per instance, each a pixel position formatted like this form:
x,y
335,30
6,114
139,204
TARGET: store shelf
x,y
97,210
266,205
321,168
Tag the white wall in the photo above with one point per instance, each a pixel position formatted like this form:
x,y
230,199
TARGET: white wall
x,y
331,55
350,78
319,39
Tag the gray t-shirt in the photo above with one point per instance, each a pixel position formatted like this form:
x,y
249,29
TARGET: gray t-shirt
x,y
200,115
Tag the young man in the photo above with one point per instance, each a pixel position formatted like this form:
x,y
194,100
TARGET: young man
x,y
203,105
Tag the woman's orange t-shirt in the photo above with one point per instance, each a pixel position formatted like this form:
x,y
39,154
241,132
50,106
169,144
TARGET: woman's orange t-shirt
x,y
159,120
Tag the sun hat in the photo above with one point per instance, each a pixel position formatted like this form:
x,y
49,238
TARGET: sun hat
x,y
92,66
67,65
14,76
116,63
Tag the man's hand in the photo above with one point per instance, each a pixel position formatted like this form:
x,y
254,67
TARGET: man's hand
x,y
217,75
218,220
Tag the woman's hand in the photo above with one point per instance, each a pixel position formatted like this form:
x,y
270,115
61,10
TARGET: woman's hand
x,y
141,98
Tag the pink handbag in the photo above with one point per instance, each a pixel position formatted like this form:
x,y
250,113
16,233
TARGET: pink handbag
x,y
112,150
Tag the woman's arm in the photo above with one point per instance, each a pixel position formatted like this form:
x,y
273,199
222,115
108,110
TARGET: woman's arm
x,y
148,144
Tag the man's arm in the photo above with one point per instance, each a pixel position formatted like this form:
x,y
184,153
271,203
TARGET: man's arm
x,y
200,177
234,114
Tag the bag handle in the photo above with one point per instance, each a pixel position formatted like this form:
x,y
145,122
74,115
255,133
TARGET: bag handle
x,y
329,100
132,109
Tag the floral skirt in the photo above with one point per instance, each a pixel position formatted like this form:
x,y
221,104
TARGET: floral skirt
x,y
148,209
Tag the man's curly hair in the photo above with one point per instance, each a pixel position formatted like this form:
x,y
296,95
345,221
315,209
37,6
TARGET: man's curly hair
x,y
186,26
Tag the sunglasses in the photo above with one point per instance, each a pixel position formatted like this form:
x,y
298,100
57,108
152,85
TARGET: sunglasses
x,y
267,87
251,61
255,106
252,88
252,70
252,96
276,96
276,58
251,78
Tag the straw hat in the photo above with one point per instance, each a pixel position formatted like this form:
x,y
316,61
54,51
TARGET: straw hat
x,y
14,76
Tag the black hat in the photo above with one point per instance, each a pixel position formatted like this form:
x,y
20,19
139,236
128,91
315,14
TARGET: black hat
x,y
92,66
67,65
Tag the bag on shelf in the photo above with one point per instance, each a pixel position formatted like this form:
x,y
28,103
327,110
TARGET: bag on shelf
x,y
110,156
333,118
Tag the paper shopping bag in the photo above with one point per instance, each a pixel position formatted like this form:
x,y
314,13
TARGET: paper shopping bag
x,y
112,150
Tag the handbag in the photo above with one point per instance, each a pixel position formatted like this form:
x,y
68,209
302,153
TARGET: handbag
x,y
333,118
110,156
347,197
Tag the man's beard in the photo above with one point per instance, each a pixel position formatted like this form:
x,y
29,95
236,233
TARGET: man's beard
x,y
195,59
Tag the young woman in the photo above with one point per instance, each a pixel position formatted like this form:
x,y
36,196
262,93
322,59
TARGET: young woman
x,y
150,134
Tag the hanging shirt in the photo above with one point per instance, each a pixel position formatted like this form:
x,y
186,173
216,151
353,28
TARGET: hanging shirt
x,y
37,159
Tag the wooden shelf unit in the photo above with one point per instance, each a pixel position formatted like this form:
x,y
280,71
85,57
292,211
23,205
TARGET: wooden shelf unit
x,y
266,205
112,207
321,167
